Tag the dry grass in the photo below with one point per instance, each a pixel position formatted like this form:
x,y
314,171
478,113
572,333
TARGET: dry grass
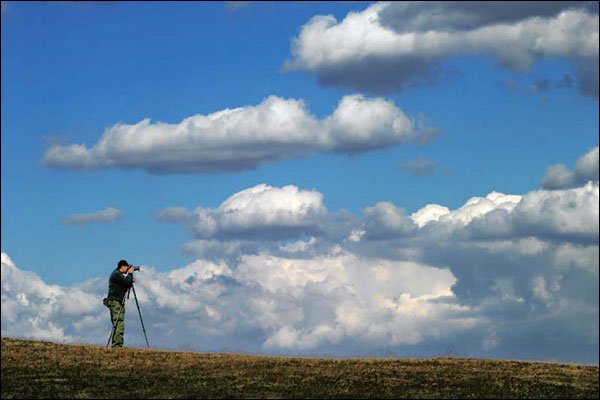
x,y
40,369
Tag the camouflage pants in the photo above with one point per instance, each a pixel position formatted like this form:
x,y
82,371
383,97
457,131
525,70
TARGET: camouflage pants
x,y
117,318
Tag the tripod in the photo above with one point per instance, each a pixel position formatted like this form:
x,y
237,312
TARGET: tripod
x,y
114,329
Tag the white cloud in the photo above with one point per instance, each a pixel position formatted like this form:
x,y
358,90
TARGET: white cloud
x,y
586,169
276,303
392,45
32,308
476,207
283,220
109,214
442,221
264,205
258,212
569,215
566,214
371,280
278,273
527,265
245,137
431,212
437,278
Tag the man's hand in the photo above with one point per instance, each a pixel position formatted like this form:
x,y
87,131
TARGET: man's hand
x,y
130,270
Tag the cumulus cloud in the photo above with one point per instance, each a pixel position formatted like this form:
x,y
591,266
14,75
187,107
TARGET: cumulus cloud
x,y
32,308
258,212
431,212
245,137
394,45
274,304
569,215
587,166
283,220
503,275
560,177
384,220
423,282
476,207
109,214
528,264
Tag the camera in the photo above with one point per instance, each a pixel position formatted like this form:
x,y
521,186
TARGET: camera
x,y
135,268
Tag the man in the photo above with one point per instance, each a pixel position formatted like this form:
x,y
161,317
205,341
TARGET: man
x,y
121,279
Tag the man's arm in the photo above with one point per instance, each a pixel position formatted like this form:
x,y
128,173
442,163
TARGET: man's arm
x,y
123,280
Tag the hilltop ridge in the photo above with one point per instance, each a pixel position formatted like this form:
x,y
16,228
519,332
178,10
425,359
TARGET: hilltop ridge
x,y
34,369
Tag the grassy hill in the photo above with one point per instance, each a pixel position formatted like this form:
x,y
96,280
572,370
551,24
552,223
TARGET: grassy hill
x,y
33,369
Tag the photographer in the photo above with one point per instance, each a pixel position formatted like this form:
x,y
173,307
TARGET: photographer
x,y
121,279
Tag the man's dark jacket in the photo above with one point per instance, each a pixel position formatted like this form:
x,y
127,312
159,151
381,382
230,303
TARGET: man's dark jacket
x,y
118,284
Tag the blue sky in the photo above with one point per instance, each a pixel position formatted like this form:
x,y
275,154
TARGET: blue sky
x,y
503,114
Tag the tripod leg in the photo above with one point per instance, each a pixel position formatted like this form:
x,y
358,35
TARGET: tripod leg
x,y
140,313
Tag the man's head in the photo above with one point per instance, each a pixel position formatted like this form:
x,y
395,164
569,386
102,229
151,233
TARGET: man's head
x,y
123,265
